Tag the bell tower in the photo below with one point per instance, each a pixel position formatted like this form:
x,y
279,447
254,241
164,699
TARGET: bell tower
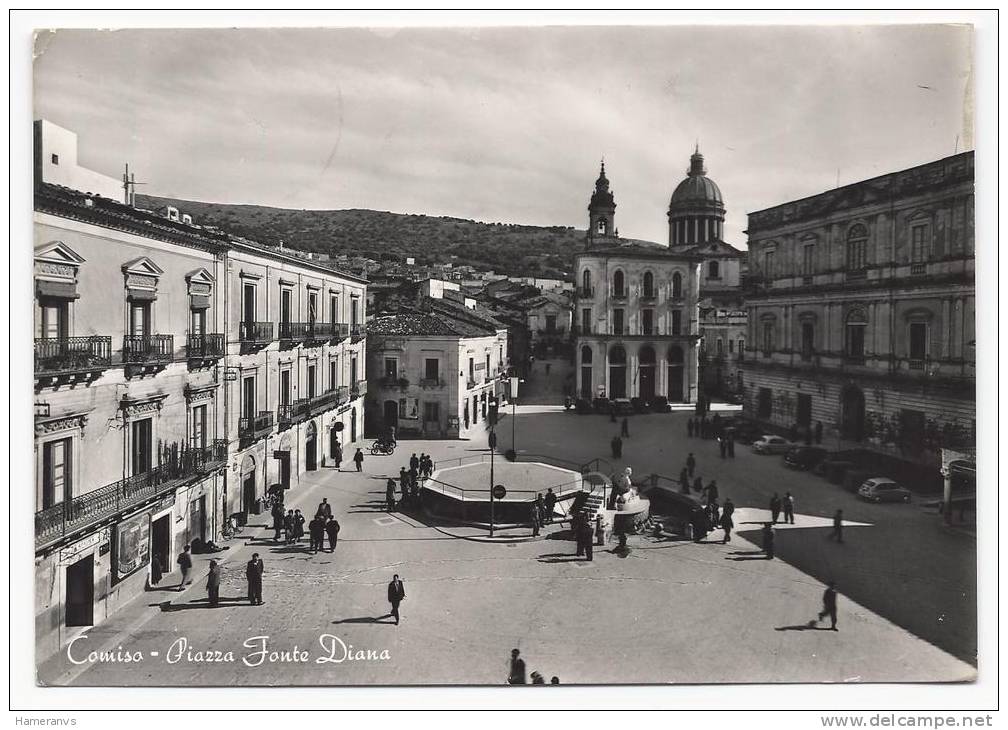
x,y
601,210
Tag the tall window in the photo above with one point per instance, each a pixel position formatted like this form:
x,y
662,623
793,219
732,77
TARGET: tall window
x,y
249,303
602,226
354,306
311,381
57,474
353,372
141,433
333,309
918,340
648,285
586,327
618,284
857,241
720,347
140,318
918,244
807,340
391,368
617,319
676,285
768,338
586,372
285,387
586,282
768,264
312,307
54,319
199,427
431,369
741,349
487,373
713,270
808,259
647,322
472,370
551,323
285,306
855,335
197,321
731,346
332,375
676,322
248,401
431,411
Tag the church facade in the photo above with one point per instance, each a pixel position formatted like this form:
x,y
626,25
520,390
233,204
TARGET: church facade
x,y
635,313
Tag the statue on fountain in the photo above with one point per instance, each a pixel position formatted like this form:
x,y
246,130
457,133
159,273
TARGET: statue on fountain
x,y
624,489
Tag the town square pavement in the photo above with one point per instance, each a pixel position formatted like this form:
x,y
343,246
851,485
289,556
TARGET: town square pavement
x,y
668,611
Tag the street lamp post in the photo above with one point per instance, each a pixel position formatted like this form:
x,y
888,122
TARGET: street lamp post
x,y
492,418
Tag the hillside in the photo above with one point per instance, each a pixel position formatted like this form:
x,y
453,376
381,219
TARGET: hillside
x,y
506,248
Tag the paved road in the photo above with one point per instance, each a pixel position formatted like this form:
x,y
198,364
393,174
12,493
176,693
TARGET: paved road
x,y
667,612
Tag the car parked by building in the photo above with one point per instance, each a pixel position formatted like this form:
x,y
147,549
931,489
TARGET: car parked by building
x,y
804,458
769,444
883,489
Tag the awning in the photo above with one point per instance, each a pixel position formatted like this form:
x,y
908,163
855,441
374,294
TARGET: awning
x,y
200,301
57,289
142,295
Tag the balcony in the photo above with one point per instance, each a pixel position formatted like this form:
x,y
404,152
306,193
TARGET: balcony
x,y
359,389
342,394
141,352
647,297
293,333
320,332
256,334
620,295
555,332
856,275
72,357
341,330
391,381
255,428
357,332
918,269
202,349
432,383
291,413
471,383
586,292
323,402
178,463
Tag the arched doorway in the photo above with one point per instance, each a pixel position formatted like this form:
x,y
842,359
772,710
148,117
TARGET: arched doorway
x,y
675,374
646,369
586,371
617,372
390,414
283,455
852,410
335,448
248,482
353,425
311,447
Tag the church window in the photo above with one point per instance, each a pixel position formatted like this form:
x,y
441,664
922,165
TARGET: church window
x,y
676,285
713,270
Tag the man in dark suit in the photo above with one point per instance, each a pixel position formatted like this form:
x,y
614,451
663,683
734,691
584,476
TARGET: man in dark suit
x,y
396,594
324,509
332,531
254,575
829,605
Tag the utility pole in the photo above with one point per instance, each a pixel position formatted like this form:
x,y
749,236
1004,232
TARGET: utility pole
x,y
492,418
129,187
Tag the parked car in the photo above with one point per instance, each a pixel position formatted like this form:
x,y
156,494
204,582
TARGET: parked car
x,y
883,489
623,406
833,467
746,431
602,405
769,444
804,457
583,406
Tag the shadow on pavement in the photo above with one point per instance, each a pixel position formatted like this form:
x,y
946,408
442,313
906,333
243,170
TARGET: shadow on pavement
x,y
810,626
367,620
222,602
560,559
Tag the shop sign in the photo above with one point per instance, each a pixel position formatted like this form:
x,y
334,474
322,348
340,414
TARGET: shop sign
x,y
132,544
68,553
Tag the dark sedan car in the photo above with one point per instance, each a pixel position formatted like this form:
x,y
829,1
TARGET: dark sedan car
x,y
804,457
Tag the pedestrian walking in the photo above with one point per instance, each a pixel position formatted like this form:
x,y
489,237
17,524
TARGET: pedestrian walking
x,y
715,514
829,605
299,523
213,583
599,531
587,533
332,529
818,432
689,428
390,495
578,534
316,534
690,463
414,463
396,595
729,507
625,428
768,539
359,460
712,491
534,516
289,527
254,575
837,533
541,508
613,446
324,509
726,525
338,454
403,480
185,565
722,446
516,670
278,521
788,508
775,507
550,501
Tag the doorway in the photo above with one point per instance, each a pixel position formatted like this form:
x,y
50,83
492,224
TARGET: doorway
x,y
248,493
311,447
390,414
79,603
853,412
285,470
161,541
676,370
617,372
353,425
334,444
197,520
646,389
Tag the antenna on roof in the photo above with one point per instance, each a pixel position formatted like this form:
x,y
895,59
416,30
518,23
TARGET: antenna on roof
x,y
129,187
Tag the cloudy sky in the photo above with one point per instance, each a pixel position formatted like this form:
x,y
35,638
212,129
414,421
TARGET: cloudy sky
x,y
507,124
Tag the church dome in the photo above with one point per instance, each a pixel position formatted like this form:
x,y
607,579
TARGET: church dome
x,y
697,190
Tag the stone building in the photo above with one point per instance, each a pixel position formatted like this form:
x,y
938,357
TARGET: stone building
x,y
635,312
434,366
861,313
178,372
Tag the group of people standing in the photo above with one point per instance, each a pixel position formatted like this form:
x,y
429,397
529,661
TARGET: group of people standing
x,y
587,534
516,672
541,510
420,467
292,525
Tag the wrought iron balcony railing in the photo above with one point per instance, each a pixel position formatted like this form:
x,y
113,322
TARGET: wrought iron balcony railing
x,y
69,355
204,347
341,330
356,332
256,333
342,394
290,413
178,463
586,292
431,383
623,294
293,332
148,349
251,429
323,402
358,389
